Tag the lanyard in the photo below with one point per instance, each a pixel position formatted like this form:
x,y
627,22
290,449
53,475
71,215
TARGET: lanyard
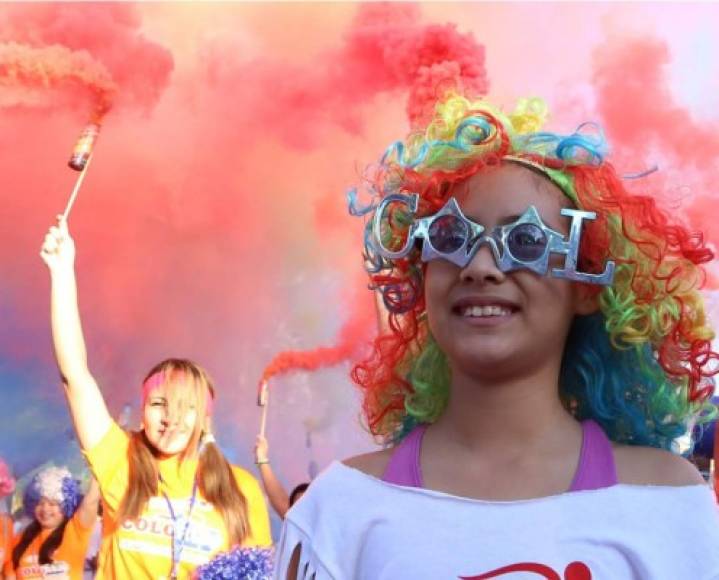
x,y
179,543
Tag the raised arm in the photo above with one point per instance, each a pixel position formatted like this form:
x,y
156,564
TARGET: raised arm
x,y
87,407
279,500
88,508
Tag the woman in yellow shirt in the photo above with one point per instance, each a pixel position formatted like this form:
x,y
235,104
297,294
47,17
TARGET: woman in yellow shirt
x,y
171,501
54,544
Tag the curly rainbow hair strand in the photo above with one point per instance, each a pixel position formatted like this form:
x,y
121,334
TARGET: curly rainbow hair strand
x,y
642,366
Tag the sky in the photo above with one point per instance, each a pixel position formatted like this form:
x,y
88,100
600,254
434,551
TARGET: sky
x,y
212,223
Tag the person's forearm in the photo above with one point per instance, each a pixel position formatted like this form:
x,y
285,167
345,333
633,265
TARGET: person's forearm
x,y
67,335
87,406
90,504
275,491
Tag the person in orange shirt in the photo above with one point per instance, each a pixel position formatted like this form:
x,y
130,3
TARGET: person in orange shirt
x,y
7,486
171,501
55,542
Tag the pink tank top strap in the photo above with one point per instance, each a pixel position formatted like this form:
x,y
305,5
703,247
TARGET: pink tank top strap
x,y
404,467
596,468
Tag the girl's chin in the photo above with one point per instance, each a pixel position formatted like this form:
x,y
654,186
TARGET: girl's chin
x,y
167,452
169,446
488,366
484,356
48,525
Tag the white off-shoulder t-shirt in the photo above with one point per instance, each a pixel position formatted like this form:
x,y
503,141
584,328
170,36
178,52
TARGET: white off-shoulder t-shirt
x,y
353,526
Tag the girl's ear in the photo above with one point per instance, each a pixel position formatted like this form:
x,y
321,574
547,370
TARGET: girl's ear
x,y
586,298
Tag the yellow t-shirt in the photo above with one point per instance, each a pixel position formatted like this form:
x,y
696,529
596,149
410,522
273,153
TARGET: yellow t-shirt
x,y
68,561
143,548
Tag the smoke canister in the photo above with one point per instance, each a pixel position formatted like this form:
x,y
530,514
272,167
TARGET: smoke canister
x,y
262,394
83,148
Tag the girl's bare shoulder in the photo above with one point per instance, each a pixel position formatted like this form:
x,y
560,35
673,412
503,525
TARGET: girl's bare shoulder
x,y
373,463
650,466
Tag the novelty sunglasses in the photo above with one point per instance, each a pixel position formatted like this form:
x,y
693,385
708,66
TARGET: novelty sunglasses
x,y
526,243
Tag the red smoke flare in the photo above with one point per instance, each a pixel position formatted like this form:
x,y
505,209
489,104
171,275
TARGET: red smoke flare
x,y
353,335
103,36
30,76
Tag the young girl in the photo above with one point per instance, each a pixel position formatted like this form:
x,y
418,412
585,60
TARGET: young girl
x,y
54,544
546,345
171,501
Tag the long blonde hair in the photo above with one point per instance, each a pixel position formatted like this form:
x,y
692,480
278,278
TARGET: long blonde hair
x,y
216,482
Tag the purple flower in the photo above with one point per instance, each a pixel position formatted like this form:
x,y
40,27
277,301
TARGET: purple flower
x,y
239,564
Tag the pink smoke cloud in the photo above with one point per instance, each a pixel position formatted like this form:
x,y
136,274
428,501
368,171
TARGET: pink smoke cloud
x,y
385,50
109,34
193,217
646,124
31,76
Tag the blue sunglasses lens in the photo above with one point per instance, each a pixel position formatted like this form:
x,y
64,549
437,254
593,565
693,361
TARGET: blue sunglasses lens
x,y
447,234
526,242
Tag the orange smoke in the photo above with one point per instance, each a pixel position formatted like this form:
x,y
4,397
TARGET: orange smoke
x,y
30,76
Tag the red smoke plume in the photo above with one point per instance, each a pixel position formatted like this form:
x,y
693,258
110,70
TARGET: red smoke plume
x,y
386,50
196,216
102,41
638,107
352,337
31,76
646,124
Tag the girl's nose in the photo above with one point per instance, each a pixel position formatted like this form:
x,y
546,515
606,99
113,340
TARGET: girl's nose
x,y
482,268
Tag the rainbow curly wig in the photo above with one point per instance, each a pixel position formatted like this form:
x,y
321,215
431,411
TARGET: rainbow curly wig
x,y
642,366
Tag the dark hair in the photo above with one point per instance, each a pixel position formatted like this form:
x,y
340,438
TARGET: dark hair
x,y
48,547
297,492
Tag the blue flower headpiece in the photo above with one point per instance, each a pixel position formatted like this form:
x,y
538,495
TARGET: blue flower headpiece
x,y
56,484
